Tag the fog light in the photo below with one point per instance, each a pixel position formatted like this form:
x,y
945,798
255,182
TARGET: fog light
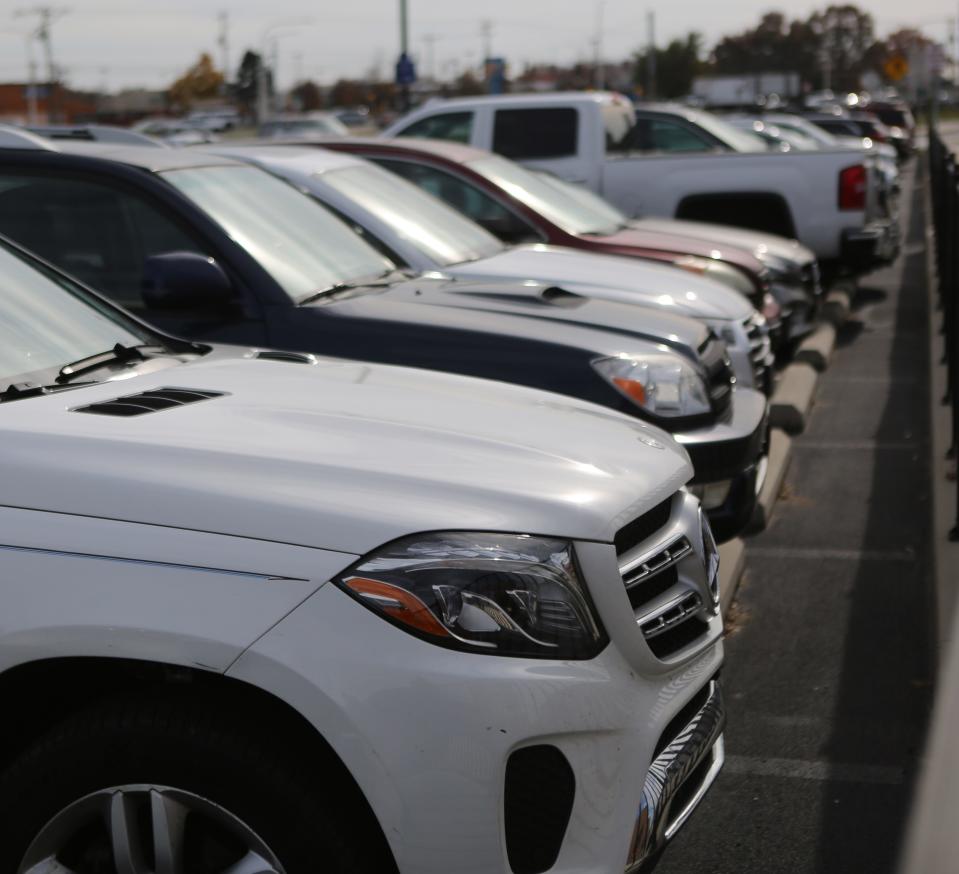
x,y
711,495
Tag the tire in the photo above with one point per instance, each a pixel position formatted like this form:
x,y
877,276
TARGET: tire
x,y
197,750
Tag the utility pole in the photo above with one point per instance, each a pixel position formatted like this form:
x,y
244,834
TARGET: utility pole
x,y
31,83
430,40
404,54
486,36
599,76
46,15
224,42
650,55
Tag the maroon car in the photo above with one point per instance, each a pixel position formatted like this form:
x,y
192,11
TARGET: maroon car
x,y
540,208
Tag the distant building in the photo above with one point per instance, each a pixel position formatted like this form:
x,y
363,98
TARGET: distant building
x,y
53,103
134,104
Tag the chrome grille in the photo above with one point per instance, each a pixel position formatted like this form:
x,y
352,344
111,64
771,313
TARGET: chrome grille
x,y
760,350
719,374
811,281
666,580
671,614
633,576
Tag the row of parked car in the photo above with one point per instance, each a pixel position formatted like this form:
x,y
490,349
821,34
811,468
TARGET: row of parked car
x,y
360,499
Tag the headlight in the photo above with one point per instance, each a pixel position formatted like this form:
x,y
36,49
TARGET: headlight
x,y
664,385
499,594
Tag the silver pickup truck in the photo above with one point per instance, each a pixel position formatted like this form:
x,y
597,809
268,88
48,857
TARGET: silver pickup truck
x,y
667,160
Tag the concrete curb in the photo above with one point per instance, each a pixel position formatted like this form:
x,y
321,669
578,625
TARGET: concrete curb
x,y
732,562
780,454
817,348
793,397
837,307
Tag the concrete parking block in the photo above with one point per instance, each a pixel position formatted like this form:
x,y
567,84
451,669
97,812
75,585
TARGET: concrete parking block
x,y
793,397
780,454
732,561
837,306
817,348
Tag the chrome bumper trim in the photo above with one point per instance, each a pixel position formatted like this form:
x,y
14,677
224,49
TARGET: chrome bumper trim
x,y
701,738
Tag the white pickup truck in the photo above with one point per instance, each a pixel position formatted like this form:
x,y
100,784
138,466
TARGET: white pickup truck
x,y
667,160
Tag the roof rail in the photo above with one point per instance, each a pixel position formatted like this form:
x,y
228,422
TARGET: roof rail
x,y
12,137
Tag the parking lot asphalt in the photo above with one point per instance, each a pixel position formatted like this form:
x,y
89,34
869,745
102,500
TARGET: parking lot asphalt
x,y
829,648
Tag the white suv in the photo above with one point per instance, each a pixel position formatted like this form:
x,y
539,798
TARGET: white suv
x,y
267,613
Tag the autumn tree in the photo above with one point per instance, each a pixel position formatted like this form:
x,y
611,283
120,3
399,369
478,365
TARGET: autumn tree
x,y
905,43
200,81
307,96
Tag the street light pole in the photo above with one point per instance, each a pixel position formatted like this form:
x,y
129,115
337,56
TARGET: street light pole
x,y
262,102
404,53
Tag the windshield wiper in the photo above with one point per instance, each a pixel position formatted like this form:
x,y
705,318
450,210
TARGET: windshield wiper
x,y
371,282
17,390
119,353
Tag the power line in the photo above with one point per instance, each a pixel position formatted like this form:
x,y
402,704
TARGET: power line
x,y
46,15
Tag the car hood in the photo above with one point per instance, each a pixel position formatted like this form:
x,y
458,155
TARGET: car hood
x,y
621,279
678,244
336,454
542,311
756,242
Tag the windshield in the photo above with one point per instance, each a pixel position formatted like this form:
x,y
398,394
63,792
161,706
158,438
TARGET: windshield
x,y
436,230
294,127
46,322
574,209
807,129
738,140
300,243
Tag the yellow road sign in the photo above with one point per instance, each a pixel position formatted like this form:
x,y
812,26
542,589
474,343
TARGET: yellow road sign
x,y
896,67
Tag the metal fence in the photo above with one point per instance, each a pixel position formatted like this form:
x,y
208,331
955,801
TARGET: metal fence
x,y
944,189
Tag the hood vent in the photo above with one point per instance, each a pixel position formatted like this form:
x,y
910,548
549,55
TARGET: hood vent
x,y
289,357
561,297
149,402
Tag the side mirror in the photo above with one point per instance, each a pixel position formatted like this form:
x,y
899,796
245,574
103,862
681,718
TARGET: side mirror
x,y
185,280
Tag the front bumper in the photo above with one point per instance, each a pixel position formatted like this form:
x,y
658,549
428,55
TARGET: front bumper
x,y
428,733
871,247
731,451
678,779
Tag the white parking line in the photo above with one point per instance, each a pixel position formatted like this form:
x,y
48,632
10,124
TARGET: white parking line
x,y
803,769
863,445
816,553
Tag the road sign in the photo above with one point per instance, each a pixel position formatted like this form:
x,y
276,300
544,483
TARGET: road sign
x,y
405,70
896,67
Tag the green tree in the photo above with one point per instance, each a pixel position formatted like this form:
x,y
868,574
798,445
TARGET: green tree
x,y
844,35
774,46
676,66
245,87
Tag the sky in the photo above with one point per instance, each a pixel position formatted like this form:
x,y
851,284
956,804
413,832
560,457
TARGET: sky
x,y
113,44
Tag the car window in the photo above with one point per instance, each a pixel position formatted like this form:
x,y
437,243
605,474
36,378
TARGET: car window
x,y
536,133
441,234
300,243
46,321
97,232
454,126
662,135
464,197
